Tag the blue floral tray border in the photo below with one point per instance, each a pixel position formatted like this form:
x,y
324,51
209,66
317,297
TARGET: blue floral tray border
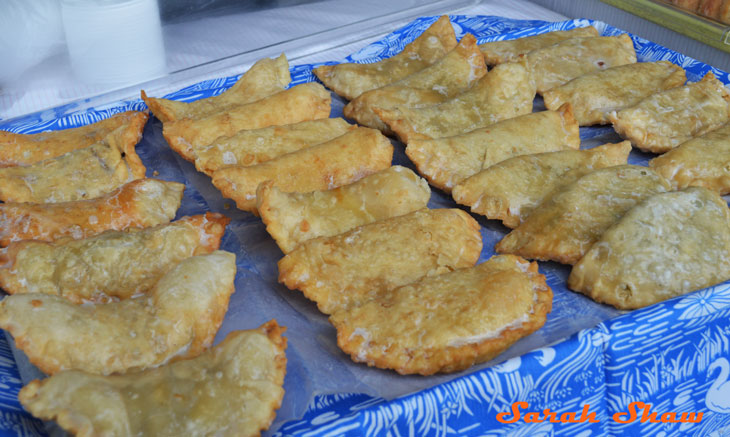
x,y
673,355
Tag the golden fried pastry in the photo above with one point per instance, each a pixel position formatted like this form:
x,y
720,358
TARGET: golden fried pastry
x,y
451,75
251,147
512,189
348,269
557,64
564,226
498,52
308,101
77,175
232,389
350,80
668,245
24,149
505,92
341,161
448,322
446,162
115,264
140,203
595,94
177,319
667,119
292,218
264,78
703,161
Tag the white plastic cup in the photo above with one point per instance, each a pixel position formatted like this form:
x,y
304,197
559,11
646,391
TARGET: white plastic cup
x,y
114,42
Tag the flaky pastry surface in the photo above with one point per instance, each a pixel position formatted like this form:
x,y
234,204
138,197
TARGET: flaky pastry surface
x,y
349,80
566,225
510,190
232,389
347,269
177,319
445,162
594,95
308,101
264,78
448,322
703,161
507,91
498,52
140,203
668,245
292,218
251,147
114,264
451,75
667,119
341,161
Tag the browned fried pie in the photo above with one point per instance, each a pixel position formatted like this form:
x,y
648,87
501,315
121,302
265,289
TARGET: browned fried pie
x,y
555,65
177,319
498,52
448,322
251,147
668,245
308,101
26,149
140,203
446,162
667,119
595,94
703,161
348,269
512,189
566,225
292,218
350,80
232,389
264,78
114,264
451,75
341,161
77,175
505,92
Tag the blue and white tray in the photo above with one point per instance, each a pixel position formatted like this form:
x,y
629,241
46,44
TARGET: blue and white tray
x,y
674,355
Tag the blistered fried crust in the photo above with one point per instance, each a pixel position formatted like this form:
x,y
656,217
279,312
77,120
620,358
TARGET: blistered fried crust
x,y
308,101
512,189
177,319
341,161
668,245
251,147
445,162
451,75
665,120
23,149
498,52
566,225
700,162
350,80
140,203
114,264
557,64
348,269
78,175
264,78
596,94
292,218
507,91
448,322
232,389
